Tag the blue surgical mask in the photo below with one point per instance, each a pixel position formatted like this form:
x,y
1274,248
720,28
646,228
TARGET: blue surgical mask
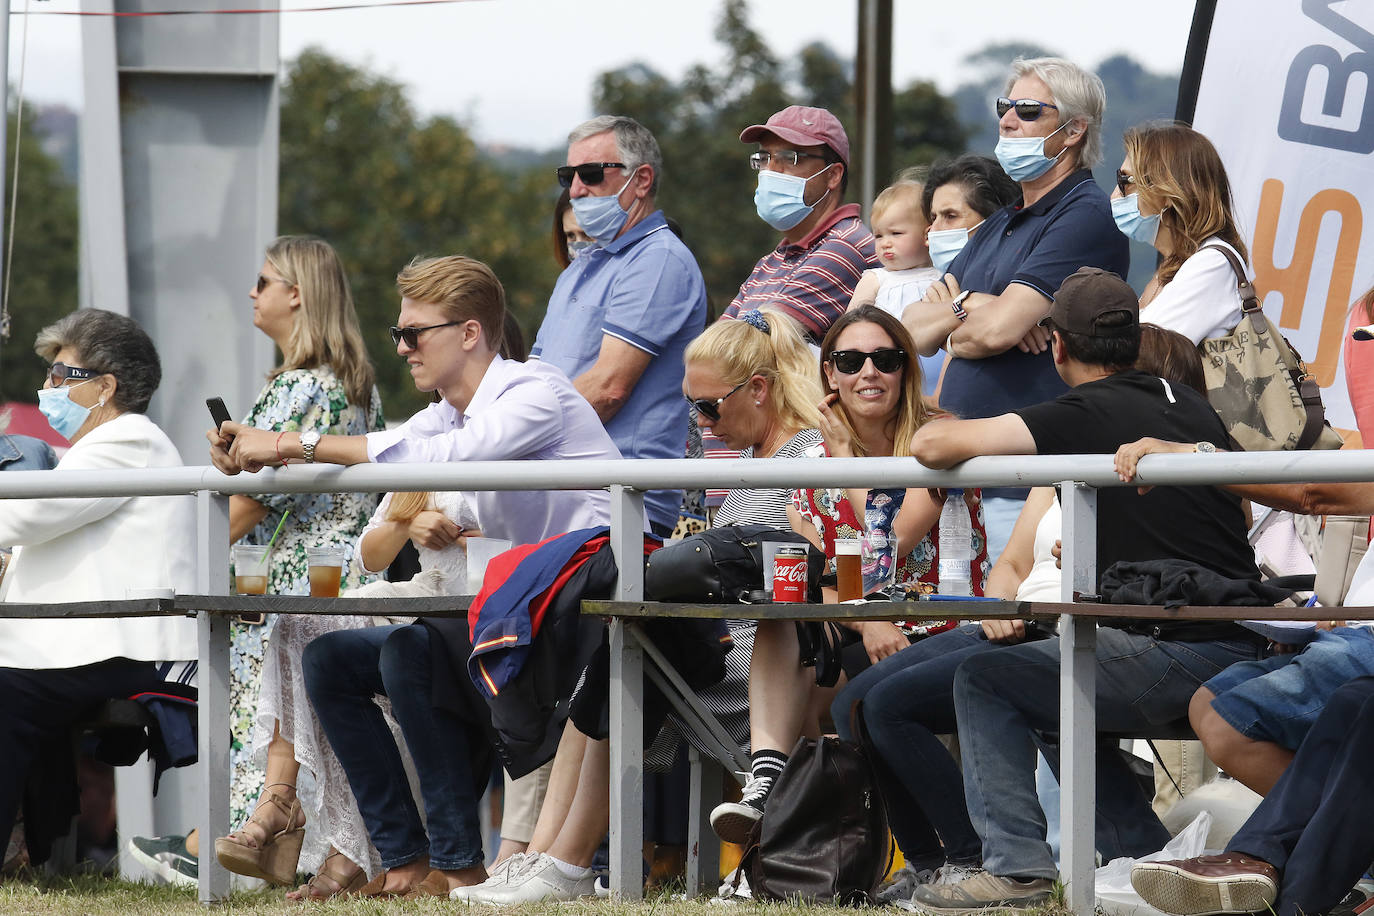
x,y
1023,158
601,217
1132,223
576,248
64,415
945,245
781,199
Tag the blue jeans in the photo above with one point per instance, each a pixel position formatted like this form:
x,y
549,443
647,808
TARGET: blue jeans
x,y
343,671
1004,695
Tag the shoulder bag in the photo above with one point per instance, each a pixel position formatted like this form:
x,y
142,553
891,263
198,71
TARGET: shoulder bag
x,y
722,566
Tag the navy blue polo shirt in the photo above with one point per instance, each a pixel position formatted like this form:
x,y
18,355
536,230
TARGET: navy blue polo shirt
x,y
1040,245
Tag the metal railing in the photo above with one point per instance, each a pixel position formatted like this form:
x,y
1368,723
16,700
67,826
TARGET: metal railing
x,y
1079,476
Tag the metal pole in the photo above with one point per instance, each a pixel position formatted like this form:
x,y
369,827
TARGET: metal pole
x,y
1077,692
627,701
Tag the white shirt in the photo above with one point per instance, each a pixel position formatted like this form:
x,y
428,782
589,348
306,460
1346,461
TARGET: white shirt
x,y
451,562
899,288
1201,301
94,548
519,411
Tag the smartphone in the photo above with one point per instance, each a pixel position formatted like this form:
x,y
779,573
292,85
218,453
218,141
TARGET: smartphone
x,y
218,412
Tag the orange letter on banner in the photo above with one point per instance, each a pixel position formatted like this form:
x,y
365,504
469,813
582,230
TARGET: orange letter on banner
x,y
1291,281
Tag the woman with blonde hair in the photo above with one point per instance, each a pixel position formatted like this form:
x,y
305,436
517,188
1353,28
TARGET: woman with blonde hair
x,y
1172,192
324,383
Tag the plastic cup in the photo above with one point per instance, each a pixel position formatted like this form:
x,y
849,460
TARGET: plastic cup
x,y
849,572
480,552
326,571
250,569
770,553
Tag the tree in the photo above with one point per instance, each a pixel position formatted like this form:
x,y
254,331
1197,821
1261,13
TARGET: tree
x,y
43,284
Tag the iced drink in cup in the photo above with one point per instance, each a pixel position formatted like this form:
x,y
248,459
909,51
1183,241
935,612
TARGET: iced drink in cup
x,y
849,572
250,569
326,571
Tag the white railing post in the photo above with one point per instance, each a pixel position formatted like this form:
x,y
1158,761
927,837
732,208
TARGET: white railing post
x,y
212,576
627,701
1077,694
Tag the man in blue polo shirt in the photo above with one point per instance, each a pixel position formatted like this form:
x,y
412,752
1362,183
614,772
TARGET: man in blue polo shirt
x,y
986,312
624,311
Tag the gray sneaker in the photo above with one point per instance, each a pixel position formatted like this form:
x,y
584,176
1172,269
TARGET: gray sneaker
x,y
979,892
905,882
166,857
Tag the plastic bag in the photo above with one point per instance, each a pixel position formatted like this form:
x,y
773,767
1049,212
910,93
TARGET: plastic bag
x,y
1116,897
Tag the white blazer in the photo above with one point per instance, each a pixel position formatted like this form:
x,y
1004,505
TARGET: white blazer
x,y
87,549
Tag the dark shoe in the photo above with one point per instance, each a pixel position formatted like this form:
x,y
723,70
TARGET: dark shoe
x,y
980,891
732,821
166,857
1228,883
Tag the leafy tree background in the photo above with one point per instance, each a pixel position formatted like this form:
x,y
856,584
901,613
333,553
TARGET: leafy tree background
x,y
383,183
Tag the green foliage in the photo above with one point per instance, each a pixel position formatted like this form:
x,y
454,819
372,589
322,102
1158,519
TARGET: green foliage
x,y
43,286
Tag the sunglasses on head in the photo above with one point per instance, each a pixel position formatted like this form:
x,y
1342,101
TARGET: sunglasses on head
x,y
591,173
1026,109
263,280
60,372
412,335
710,407
885,360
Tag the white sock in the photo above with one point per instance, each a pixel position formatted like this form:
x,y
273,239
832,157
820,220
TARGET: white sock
x,y
570,870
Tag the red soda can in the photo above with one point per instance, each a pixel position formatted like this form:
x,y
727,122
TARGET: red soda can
x,y
789,575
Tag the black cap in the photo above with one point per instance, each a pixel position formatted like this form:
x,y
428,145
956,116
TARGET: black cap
x,y
1089,295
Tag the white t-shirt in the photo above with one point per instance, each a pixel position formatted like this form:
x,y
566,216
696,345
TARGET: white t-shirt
x,y
1201,301
899,288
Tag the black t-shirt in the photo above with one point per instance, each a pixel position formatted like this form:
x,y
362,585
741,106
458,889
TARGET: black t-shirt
x,y
1201,524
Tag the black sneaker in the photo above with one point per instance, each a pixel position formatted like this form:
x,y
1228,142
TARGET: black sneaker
x,y
732,821
166,857
1358,902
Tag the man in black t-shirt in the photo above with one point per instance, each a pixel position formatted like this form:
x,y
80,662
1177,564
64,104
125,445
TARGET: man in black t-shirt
x,y
1143,678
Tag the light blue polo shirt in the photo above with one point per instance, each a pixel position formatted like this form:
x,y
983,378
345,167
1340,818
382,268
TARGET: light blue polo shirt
x,y
645,289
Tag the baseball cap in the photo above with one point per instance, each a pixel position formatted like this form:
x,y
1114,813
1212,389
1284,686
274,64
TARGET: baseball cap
x,y
1088,295
804,127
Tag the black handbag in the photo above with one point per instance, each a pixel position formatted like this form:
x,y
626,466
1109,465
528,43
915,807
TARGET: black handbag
x,y
722,566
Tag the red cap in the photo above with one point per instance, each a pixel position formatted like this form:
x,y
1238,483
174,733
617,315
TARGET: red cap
x,y
804,127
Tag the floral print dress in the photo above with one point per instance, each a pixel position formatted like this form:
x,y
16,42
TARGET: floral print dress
x,y
296,400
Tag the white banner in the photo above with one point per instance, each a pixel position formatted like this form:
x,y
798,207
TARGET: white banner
x,y
1287,96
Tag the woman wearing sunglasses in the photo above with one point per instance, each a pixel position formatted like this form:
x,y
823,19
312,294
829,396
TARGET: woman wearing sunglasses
x,y
873,408
1172,192
301,300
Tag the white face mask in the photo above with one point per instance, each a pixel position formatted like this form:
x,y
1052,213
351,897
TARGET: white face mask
x,y
945,245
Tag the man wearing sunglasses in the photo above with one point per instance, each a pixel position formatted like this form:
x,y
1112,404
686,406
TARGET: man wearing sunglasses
x,y
622,314
986,311
802,163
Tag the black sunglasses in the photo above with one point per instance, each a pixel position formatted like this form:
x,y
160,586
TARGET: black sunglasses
x,y
591,173
1123,181
60,372
710,409
412,335
1026,109
885,360
264,280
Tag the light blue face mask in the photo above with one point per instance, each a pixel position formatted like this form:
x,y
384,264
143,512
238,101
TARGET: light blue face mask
x,y
781,199
64,415
945,245
601,217
1023,158
1132,223
576,248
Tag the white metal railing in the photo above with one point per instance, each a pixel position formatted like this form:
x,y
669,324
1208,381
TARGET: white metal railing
x,y
627,479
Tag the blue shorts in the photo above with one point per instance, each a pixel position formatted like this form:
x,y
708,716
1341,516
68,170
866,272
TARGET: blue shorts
x,y
1278,698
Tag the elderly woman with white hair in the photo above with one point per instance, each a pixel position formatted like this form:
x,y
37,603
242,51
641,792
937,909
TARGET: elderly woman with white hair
x,y
54,673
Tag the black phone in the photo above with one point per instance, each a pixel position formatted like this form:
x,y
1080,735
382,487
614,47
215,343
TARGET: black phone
x,y
218,412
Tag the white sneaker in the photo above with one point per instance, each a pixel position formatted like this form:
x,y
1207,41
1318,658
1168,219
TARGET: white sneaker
x,y
953,874
542,879
499,876
905,882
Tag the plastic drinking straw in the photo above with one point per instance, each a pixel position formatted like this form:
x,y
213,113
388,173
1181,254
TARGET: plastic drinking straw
x,y
277,532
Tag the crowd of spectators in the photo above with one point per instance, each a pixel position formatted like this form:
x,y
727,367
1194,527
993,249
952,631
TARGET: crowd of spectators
x,y
985,313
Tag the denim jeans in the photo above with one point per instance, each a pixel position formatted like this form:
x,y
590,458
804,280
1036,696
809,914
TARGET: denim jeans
x,y
908,699
1003,695
343,671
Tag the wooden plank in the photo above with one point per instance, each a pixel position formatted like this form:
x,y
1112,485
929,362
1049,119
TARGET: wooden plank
x,y
181,605
130,607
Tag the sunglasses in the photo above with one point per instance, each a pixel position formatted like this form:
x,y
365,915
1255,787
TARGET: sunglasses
x,y
1026,109
1124,181
412,335
885,360
264,280
710,409
60,372
591,173
759,161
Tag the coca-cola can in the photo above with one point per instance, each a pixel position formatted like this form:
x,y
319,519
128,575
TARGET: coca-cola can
x,y
789,575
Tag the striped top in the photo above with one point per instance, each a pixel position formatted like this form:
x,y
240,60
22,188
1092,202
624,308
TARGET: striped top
x,y
814,279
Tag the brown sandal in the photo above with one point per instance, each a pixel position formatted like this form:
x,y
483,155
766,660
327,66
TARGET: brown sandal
x,y
274,860
343,886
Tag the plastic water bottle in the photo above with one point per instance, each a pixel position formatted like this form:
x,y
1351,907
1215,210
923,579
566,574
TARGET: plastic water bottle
x,y
956,546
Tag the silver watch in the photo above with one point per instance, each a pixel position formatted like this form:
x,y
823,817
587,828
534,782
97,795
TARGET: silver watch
x,y
309,439
1204,448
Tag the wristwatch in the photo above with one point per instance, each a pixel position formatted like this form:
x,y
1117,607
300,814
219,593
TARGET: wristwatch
x,y
957,304
1205,448
309,439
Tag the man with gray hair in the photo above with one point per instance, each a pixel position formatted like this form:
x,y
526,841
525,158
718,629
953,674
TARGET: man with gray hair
x,y
986,310
624,311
